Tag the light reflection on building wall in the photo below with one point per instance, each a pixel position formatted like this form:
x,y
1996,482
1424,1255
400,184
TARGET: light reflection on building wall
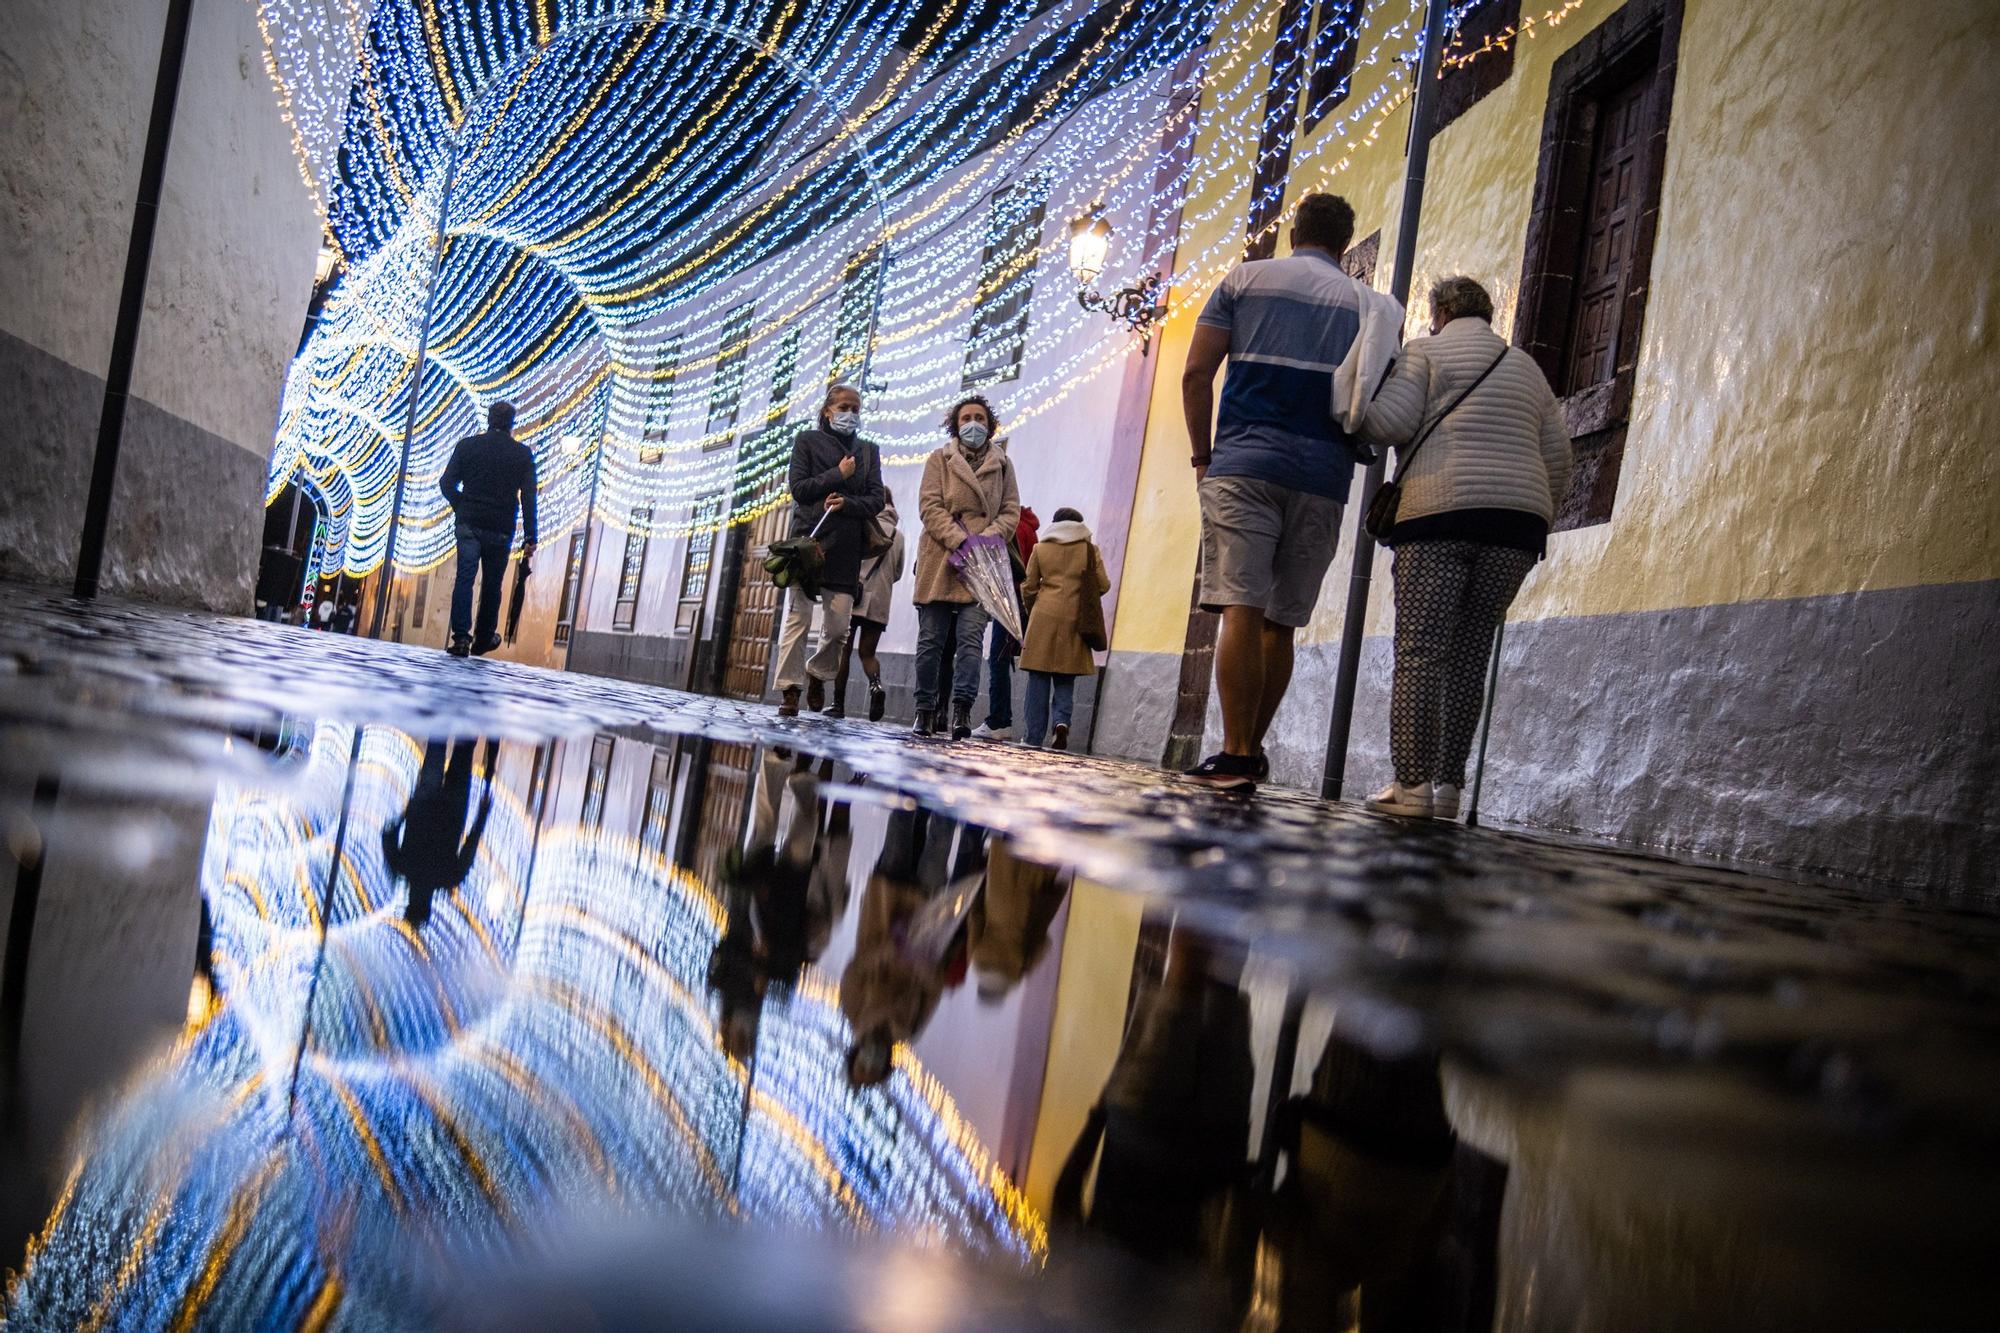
x,y
363,1101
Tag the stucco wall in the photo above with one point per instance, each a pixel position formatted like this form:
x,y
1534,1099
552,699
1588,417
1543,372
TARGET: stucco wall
x,y
231,274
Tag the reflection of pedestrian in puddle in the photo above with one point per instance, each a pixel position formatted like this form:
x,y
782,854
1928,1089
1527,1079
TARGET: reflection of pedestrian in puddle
x,y
1169,1138
913,940
1384,1220
428,845
1014,916
783,893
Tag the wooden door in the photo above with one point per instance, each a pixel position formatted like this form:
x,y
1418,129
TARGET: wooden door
x,y
1617,193
759,607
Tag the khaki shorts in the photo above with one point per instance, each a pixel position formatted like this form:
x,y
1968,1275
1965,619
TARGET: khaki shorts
x,y
1266,546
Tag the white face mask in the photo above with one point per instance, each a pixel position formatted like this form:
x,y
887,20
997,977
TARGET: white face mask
x,y
972,434
844,422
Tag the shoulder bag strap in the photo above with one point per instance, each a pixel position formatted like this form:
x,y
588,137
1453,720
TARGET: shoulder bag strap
x,y
1403,465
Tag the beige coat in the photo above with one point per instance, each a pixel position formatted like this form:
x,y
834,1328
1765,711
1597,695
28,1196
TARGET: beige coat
x,y
1504,447
880,573
954,502
1064,569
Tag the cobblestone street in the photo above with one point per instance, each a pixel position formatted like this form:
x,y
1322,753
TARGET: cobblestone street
x,y
1728,1023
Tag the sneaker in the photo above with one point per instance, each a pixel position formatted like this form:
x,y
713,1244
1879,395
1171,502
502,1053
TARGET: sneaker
x,y
1444,801
986,731
788,702
1060,741
878,701
1226,772
836,710
1411,802
815,693
460,645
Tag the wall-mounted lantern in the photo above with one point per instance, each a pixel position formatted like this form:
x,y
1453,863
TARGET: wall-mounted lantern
x,y
1138,306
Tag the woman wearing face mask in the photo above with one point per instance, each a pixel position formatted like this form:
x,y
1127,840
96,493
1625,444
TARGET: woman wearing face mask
x,y
968,489
838,475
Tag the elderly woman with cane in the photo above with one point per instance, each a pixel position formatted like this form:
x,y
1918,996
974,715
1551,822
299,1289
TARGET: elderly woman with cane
x,y
1483,461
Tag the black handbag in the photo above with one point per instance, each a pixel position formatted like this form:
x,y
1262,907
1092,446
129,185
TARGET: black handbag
x,y
1381,515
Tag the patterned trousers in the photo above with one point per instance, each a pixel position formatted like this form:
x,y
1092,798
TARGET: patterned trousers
x,y
1449,597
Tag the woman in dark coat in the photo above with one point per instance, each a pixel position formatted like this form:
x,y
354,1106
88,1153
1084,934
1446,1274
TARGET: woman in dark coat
x,y
836,474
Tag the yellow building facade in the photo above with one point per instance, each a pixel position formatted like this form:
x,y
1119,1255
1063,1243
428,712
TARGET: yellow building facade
x,y
1778,644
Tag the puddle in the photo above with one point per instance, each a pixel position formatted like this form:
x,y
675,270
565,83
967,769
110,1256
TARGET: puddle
x,y
644,1017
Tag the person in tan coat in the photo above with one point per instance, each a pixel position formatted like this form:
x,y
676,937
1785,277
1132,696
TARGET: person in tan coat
x,y
968,488
1065,569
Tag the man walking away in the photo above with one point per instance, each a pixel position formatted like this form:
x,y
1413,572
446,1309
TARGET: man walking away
x,y
490,479
1277,469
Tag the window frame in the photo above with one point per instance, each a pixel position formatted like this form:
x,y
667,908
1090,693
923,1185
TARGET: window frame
x,y
1462,87
995,345
572,589
632,571
1642,35
725,386
1330,81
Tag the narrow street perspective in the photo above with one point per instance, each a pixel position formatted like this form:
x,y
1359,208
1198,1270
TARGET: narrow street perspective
x,y
1256,665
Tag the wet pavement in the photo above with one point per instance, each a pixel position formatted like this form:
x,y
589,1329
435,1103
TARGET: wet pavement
x,y
348,984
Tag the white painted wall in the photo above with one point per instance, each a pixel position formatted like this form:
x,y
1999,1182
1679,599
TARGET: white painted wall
x,y
233,259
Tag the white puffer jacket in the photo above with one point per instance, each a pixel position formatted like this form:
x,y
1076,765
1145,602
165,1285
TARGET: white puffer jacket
x,y
1503,448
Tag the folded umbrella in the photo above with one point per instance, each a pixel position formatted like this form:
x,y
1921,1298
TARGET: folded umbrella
x,y
796,562
519,596
987,570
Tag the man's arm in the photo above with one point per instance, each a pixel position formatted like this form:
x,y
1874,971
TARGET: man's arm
x,y
1206,353
530,489
452,484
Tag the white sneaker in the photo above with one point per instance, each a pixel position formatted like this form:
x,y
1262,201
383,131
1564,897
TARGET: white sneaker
x,y
1396,799
982,732
1444,801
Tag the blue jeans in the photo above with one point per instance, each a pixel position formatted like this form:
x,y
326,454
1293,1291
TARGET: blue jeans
x,y
1041,684
1000,654
963,626
482,555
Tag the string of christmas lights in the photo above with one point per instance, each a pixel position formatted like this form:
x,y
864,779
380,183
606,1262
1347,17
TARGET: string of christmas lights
x,y
625,174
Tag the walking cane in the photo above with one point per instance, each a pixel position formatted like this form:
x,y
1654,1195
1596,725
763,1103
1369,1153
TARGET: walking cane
x,y
1485,725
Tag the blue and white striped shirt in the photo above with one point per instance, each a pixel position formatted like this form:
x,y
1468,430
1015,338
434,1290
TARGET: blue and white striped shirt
x,y
1290,323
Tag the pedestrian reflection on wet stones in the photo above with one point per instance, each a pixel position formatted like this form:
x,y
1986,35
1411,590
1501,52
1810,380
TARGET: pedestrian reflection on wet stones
x,y
1162,1165
915,937
783,893
1013,918
1383,1220
428,846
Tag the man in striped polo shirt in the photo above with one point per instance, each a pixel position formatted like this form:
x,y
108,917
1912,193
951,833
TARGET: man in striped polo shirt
x,y
1274,471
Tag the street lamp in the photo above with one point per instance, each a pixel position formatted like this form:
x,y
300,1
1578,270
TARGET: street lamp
x,y
1138,306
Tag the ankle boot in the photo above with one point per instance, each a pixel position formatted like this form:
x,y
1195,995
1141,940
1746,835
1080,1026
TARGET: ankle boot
x,y
961,721
788,702
878,699
926,723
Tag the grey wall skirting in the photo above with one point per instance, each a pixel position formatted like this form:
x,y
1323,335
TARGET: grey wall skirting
x,y
1855,736
188,511
1139,690
655,659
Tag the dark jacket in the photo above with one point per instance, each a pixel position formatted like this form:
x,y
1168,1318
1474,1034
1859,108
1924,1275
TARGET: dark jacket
x,y
490,478
816,456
